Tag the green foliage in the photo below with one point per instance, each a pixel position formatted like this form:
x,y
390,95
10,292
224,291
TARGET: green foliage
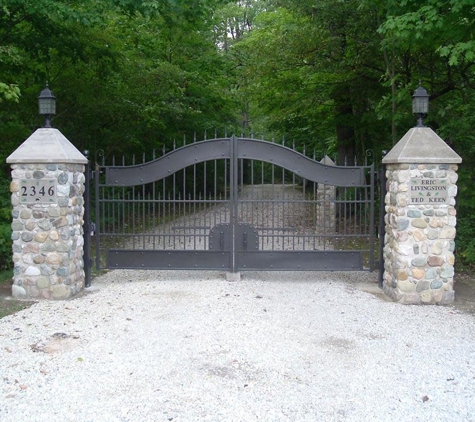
x,y
129,76
309,72
5,226
9,92
466,239
330,77
457,121
449,25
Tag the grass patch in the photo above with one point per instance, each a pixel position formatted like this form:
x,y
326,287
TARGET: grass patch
x,y
8,305
6,278
11,306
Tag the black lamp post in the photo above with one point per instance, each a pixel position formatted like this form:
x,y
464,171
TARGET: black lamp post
x,y
47,105
420,105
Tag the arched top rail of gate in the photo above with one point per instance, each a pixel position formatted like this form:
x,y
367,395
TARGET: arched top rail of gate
x,y
226,148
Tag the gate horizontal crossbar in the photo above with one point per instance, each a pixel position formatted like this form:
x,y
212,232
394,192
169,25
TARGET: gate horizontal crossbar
x,y
191,228
241,201
220,260
216,149
167,260
301,260
267,229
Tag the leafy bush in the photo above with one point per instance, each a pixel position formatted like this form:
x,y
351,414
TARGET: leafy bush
x,y
5,226
466,239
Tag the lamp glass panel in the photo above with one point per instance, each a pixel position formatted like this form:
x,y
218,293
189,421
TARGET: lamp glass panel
x,y
47,106
420,105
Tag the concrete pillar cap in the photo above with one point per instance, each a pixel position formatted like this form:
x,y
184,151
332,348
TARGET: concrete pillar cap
x,y
421,145
47,145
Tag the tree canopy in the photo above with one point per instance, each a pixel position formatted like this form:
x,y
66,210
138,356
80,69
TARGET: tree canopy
x,y
334,77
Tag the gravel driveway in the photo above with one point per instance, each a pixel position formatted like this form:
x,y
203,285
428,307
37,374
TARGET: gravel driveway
x,y
175,346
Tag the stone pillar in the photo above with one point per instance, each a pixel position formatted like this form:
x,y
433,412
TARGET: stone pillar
x,y
421,172
48,207
326,212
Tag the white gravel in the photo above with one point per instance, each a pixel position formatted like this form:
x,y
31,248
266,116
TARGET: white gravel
x,y
175,346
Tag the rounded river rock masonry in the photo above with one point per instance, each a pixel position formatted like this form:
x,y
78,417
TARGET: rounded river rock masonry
x,y
420,220
48,208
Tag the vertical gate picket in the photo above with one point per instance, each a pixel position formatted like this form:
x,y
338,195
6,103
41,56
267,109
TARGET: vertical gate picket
x,y
371,219
87,223
97,212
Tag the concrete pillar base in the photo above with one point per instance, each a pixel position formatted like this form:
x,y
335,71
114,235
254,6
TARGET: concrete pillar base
x,y
233,276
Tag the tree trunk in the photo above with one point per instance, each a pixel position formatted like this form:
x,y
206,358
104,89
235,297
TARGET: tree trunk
x,y
345,132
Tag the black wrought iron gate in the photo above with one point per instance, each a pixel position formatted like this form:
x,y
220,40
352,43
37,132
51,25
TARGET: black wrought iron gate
x,y
235,204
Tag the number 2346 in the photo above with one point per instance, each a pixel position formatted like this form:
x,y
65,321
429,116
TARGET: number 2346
x,y
37,191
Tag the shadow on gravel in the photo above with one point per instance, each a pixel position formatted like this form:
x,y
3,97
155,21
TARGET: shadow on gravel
x,y
465,292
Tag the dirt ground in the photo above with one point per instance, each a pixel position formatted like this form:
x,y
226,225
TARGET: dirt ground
x,y
7,304
465,292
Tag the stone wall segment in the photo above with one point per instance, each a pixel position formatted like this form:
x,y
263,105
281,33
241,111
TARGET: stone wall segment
x,y
420,237
48,238
47,196
420,219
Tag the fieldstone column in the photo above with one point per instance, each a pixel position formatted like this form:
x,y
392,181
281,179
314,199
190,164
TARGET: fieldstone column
x,y
48,207
421,172
326,211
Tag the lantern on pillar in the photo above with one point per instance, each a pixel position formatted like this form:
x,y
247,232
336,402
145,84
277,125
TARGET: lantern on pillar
x,y
420,105
47,105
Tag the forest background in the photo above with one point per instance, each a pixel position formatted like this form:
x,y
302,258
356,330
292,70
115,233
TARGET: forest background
x,y
333,77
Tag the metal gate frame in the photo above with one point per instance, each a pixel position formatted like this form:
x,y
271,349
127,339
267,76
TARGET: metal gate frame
x,y
230,244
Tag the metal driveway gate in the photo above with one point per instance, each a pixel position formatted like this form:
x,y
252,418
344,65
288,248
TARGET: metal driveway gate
x,y
235,204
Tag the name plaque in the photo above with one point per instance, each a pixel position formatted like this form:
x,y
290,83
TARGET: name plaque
x,y
38,191
428,191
